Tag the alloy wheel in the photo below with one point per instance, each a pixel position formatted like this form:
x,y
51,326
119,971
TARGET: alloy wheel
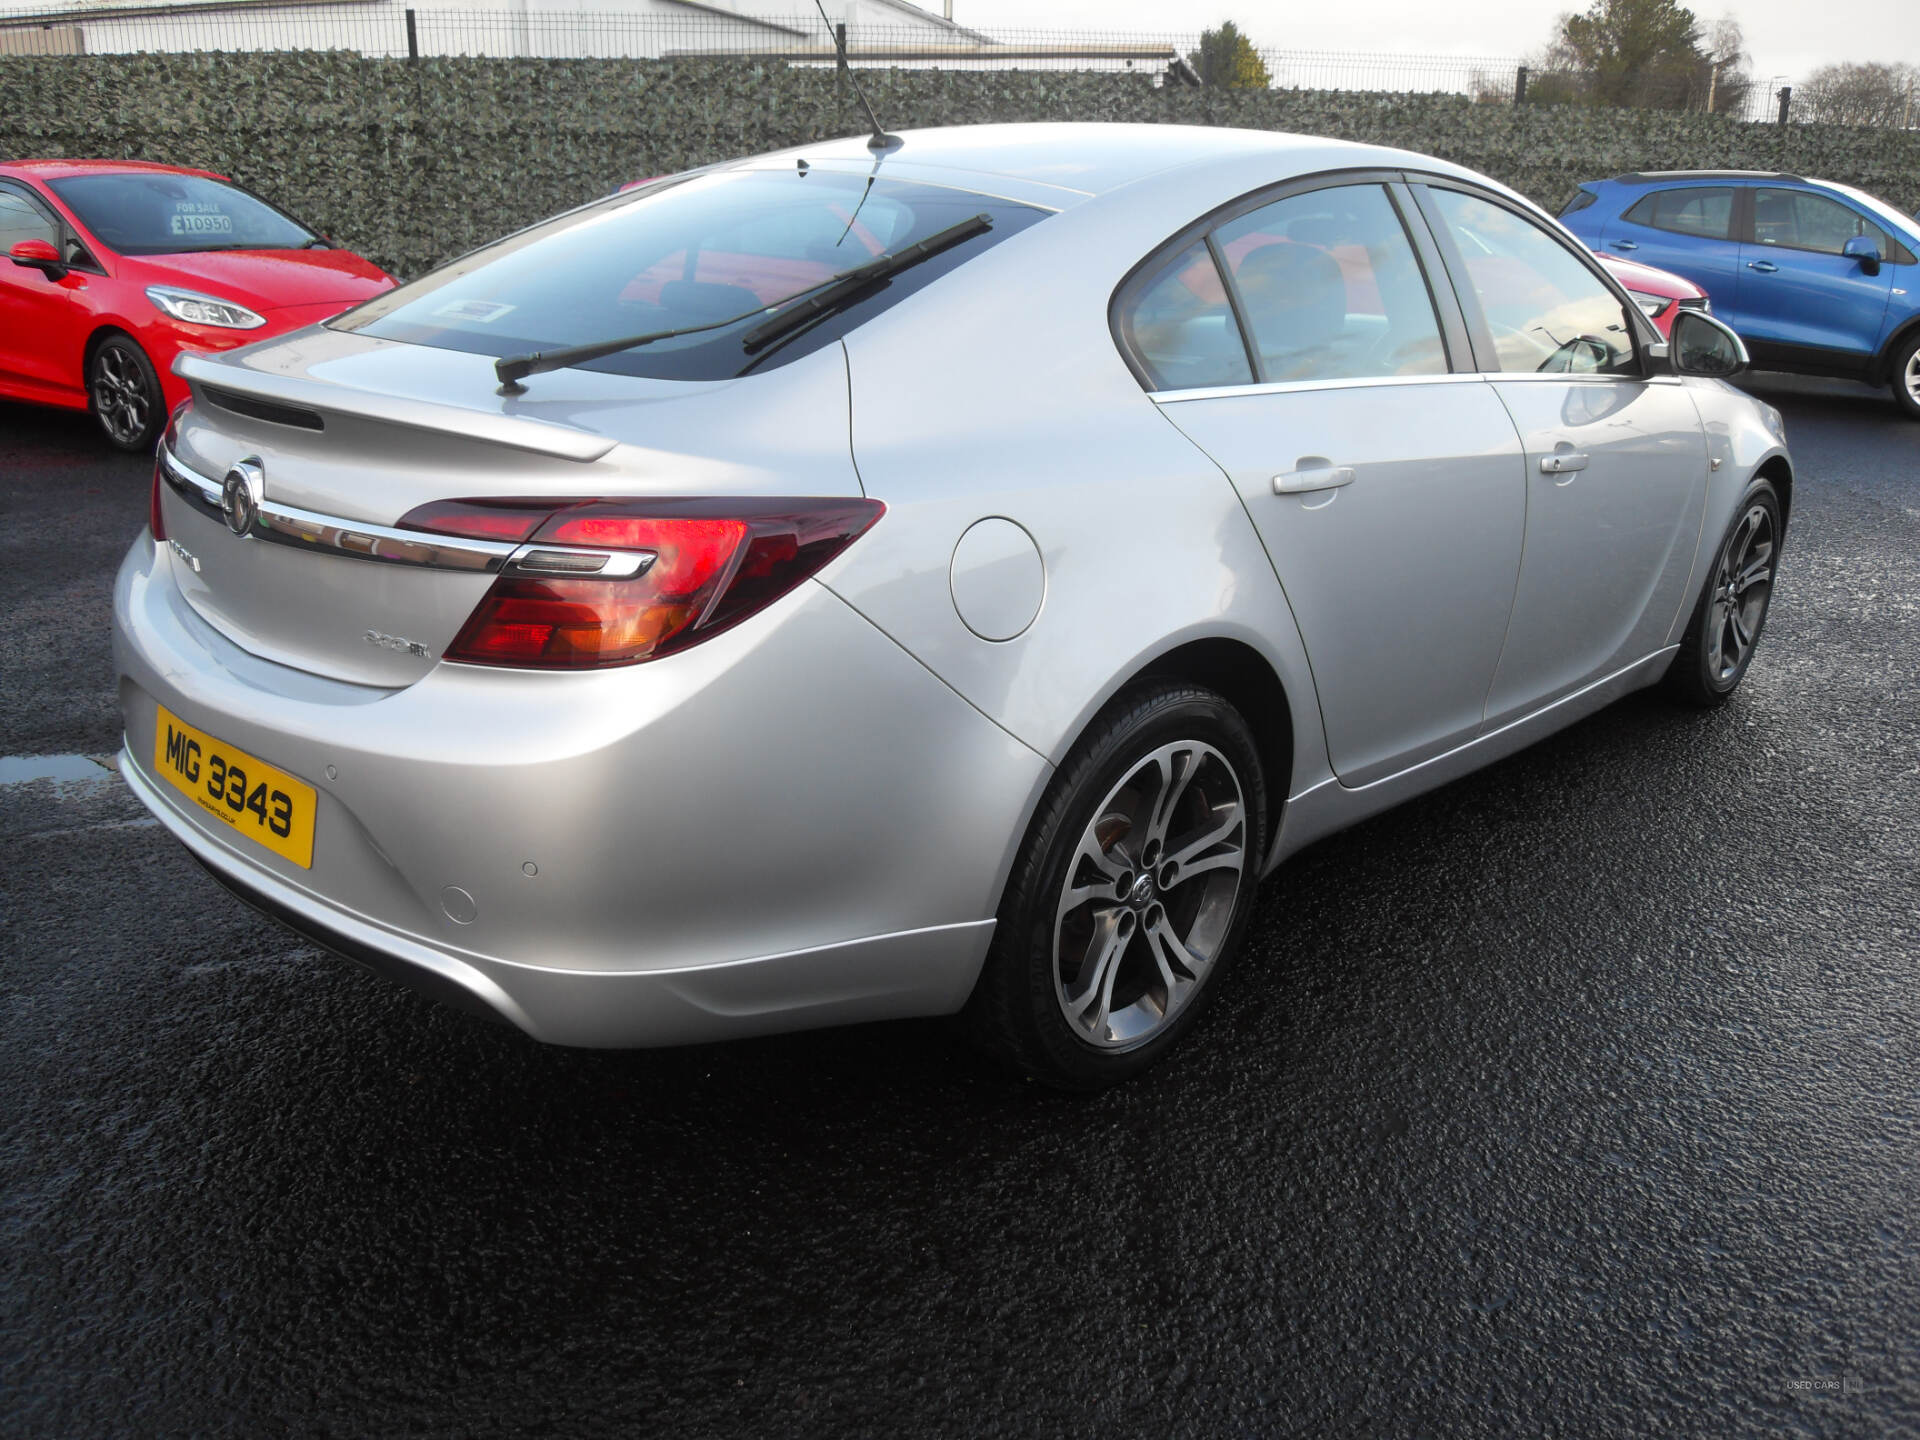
x,y
120,394
1740,592
1149,896
1910,377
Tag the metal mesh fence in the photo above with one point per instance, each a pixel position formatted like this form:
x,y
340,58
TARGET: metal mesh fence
x,y
384,29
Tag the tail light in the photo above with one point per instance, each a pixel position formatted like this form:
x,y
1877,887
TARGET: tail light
x,y
614,582
154,522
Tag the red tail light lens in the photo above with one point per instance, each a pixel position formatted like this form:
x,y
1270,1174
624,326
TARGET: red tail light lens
x,y
713,563
154,522
511,520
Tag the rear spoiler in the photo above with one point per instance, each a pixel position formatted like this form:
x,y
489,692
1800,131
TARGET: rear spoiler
x,y
321,399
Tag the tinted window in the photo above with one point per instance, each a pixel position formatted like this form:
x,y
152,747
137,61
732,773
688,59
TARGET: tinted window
x,y
21,219
1329,285
1547,310
156,214
1177,322
1706,211
1580,201
1801,220
682,254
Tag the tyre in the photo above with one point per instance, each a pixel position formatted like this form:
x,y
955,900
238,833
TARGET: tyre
x,y
123,392
1906,376
1732,609
1130,892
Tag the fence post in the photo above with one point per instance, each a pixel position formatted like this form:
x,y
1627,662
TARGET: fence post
x,y
1520,86
1786,102
840,45
413,37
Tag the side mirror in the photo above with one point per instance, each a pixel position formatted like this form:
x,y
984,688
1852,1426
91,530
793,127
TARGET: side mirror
x,y
39,255
1702,345
1865,251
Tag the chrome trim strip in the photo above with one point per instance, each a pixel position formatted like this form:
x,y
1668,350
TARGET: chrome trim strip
x,y
191,484
1289,387
1457,377
613,564
309,530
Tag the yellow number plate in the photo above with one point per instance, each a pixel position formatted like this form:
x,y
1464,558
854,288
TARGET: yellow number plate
x,y
244,794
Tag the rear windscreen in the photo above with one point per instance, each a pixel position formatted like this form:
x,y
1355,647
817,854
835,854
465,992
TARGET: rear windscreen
x,y
684,253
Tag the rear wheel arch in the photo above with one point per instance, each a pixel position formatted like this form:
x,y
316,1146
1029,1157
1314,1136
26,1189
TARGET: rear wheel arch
x,y
1246,679
1897,342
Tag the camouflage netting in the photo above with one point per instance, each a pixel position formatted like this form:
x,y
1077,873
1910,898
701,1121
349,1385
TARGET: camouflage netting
x,y
413,163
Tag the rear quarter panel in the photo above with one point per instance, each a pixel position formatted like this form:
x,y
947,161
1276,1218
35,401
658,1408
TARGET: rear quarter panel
x,y
1739,441
1004,395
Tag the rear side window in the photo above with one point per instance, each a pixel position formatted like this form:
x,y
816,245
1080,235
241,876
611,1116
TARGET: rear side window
x,y
1548,312
1330,288
1801,220
1580,201
687,253
1178,324
1705,211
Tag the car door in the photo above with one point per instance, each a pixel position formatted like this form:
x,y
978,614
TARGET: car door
x,y
35,312
1616,460
1688,229
1797,289
1300,345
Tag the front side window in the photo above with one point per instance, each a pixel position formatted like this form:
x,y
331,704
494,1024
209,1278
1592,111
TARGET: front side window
x,y
681,254
1548,312
154,213
1331,289
1702,211
21,219
1801,220
1178,324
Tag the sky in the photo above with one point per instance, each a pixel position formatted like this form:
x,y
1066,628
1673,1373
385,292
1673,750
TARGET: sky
x,y
1785,37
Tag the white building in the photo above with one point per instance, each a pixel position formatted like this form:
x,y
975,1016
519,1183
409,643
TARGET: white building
x,y
551,28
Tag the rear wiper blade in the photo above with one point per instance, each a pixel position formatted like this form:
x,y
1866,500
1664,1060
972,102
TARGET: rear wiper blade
x,y
512,369
844,289
835,290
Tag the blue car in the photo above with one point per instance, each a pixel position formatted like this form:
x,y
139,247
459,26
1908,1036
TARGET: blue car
x,y
1816,277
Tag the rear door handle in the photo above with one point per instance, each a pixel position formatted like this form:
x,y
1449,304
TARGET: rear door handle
x,y
1623,244
1311,473
1765,267
1564,461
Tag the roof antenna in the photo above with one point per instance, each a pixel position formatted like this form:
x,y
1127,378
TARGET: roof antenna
x,y
879,140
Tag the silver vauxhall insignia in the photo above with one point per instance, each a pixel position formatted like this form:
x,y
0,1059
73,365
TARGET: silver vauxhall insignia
x,y
938,579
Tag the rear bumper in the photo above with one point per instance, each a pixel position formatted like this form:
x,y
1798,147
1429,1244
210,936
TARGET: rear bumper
x,y
717,849
882,977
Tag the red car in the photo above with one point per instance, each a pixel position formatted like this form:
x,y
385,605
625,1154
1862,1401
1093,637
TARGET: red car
x,y
1661,294
118,266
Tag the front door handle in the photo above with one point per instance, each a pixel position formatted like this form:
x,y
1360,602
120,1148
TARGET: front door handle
x,y
1765,267
1562,462
1311,473
1623,244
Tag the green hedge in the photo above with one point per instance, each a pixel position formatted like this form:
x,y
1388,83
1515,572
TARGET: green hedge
x,y
412,163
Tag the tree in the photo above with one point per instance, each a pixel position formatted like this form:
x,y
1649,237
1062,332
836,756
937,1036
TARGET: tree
x,y
1648,53
1227,58
1729,81
1860,94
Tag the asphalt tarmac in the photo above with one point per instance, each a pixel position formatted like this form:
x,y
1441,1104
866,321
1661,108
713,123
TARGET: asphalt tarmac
x,y
1579,1098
